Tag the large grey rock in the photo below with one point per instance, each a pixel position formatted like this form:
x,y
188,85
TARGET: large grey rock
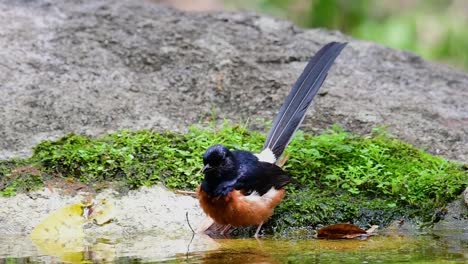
x,y
98,66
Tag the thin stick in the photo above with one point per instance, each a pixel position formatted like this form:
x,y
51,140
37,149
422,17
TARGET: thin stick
x,y
188,222
193,235
193,194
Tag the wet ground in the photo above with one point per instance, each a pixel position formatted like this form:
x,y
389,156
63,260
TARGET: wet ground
x,y
436,247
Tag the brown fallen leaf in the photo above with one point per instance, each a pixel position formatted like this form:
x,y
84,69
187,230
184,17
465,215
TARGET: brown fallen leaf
x,y
344,231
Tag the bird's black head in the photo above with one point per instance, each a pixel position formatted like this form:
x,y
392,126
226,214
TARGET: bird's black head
x,y
219,169
216,158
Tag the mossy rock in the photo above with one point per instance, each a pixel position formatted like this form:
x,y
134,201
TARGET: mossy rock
x,y
340,177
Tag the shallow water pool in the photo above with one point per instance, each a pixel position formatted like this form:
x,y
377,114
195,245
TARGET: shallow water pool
x,y
437,247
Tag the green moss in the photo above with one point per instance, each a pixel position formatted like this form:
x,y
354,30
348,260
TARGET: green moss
x,y
340,177
376,165
18,175
139,158
365,180
133,158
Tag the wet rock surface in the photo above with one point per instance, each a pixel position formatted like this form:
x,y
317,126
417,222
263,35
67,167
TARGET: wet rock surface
x,y
98,66
154,209
150,223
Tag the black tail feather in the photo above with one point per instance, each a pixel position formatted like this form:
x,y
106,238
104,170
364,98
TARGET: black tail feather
x,y
294,108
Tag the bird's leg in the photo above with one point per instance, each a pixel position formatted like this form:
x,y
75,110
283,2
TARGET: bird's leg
x,y
225,229
258,230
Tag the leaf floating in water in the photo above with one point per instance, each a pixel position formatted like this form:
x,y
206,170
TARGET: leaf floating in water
x,y
61,233
344,231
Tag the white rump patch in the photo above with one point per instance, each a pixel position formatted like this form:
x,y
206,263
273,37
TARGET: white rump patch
x,y
266,198
266,156
270,194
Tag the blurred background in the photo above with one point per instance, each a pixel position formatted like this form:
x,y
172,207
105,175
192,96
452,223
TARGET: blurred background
x,y
435,29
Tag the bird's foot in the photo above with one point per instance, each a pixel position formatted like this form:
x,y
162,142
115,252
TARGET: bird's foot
x,y
258,231
225,229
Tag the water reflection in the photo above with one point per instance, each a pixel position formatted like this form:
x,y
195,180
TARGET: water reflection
x,y
445,247
143,247
383,249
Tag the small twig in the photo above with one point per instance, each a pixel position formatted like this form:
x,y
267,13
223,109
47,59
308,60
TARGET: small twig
x,y
194,194
193,235
188,222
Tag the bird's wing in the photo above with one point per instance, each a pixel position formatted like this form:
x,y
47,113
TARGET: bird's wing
x,y
262,179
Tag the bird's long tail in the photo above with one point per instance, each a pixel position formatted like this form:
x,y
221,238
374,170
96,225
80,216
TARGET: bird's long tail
x,y
295,106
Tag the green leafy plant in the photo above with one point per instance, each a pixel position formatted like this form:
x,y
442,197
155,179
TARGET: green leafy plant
x,y
376,165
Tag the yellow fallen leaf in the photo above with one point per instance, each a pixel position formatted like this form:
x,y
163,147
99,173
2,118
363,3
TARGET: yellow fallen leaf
x,y
65,222
61,234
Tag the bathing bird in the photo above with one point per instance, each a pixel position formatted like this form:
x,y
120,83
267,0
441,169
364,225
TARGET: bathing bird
x,y
241,188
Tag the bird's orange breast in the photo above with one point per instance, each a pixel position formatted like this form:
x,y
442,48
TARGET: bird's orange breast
x,y
239,210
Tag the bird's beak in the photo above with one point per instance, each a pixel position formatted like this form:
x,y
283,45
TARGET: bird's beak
x,y
206,167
